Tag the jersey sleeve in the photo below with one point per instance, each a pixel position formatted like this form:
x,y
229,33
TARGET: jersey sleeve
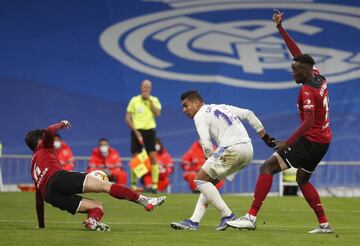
x,y
156,102
305,125
290,43
131,106
293,47
249,116
203,130
48,140
307,98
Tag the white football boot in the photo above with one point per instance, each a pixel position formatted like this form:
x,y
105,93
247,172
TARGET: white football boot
x,y
322,228
94,225
245,222
149,203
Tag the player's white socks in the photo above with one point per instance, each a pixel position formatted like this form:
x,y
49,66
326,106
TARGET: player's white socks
x,y
213,196
200,209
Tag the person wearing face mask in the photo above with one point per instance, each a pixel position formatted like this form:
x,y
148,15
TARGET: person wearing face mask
x,y
140,117
107,159
64,153
166,168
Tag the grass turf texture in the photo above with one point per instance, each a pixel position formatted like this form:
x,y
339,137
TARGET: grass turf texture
x,y
282,221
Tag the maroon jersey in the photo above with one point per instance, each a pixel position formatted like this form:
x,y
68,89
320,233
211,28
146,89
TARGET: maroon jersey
x,y
313,99
313,96
45,161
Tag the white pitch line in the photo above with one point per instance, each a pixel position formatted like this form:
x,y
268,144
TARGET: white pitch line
x,y
158,224
235,209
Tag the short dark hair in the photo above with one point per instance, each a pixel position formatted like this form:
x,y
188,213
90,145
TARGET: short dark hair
x,y
32,138
103,139
191,95
57,135
305,58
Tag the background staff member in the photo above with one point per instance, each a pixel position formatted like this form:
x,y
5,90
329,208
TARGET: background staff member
x,y
64,153
107,159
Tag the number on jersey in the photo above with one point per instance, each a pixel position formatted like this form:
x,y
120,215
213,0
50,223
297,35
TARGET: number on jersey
x,y
36,172
218,114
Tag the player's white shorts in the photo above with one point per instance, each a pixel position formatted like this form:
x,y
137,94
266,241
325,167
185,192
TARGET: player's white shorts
x,y
226,162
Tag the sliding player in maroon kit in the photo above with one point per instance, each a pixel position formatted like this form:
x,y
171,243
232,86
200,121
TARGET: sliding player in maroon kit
x,y
305,148
60,187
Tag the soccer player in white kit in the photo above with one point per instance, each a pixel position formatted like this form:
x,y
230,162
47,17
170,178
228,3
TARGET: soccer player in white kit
x,y
220,123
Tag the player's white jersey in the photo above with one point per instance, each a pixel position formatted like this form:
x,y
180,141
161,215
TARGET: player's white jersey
x,y
221,123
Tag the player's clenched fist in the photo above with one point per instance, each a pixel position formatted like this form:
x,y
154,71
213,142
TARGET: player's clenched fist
x,y
277,17
66,124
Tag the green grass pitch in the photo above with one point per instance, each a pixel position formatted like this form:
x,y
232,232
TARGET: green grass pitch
x,y
282,221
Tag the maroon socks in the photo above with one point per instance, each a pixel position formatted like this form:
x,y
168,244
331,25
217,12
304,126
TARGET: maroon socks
x,y
313,198
123,192
95,213
263,186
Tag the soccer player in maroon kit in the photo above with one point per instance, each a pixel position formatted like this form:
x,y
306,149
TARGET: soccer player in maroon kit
x,y
60,187
305,148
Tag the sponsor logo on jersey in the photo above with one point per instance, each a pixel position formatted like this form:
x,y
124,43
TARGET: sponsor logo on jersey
x,y
308,106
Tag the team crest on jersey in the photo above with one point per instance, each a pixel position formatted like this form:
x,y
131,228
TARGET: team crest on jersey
x,y
222,42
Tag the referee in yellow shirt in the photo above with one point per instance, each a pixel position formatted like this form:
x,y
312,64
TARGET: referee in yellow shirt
x,y
140,117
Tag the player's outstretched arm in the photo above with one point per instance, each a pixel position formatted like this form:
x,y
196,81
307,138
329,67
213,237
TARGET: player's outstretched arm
x,y
48,140
290,43
40,209
254,122
249,116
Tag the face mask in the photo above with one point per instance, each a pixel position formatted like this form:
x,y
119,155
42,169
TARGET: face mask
x,y
157,147
104,149
57,144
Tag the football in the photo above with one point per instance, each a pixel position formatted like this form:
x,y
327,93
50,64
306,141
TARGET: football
x,y
100,175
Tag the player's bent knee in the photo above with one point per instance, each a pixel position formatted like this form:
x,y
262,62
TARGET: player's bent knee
x,y
94,184
265,169
302,177
271,166
301,181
